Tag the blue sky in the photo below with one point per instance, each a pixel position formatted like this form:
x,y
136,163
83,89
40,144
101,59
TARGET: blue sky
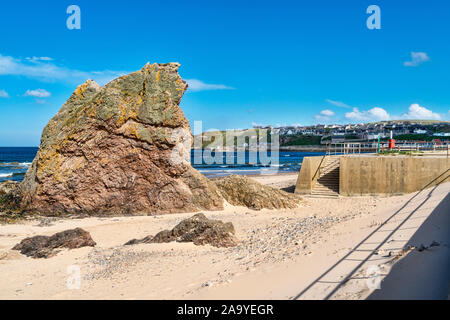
x,y
248,62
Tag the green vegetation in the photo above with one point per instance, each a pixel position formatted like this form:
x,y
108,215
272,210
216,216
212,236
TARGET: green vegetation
x,y
209,138
300,140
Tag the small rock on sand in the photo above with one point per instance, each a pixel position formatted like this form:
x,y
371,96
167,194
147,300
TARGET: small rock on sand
x,y
44,246
243,191
197,229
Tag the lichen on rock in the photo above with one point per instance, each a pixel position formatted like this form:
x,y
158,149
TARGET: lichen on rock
x,y
244,191
123,148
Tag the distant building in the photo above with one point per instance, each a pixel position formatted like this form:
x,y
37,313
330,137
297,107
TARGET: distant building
x,y
442,134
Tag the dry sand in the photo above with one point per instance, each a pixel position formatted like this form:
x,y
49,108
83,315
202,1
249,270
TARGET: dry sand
x,y
282,253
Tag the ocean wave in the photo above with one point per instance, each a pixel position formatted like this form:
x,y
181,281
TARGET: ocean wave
x,y
16,164
6,175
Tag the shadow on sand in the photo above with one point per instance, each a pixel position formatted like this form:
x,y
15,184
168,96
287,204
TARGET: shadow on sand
x,y
422,274
443,276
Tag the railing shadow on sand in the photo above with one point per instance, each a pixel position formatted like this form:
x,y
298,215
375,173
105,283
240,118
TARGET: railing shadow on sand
x,y
430,276
436,182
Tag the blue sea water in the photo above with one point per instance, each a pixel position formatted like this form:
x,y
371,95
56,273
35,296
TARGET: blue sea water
x,y
15,161
252,164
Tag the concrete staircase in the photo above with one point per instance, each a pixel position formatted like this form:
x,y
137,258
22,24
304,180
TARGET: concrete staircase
x,y
327,185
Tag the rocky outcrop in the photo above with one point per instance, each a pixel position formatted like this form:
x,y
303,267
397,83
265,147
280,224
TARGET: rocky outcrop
x,y
243,191
7,190
198,229
7,187
44,247
119,149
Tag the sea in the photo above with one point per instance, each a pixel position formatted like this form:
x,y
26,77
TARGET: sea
x,y
15,161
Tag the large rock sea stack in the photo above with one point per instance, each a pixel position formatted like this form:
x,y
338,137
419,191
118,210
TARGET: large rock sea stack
x,y
119,149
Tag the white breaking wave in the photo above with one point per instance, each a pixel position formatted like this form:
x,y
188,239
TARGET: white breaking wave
x,y
25,164
5,175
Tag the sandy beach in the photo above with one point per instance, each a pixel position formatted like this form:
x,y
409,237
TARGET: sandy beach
x,y
324,249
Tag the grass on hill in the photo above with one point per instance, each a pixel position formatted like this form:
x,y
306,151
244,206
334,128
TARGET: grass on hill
x,y
213,139
300,140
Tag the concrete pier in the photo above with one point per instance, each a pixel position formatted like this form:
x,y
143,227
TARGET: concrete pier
x,y
377,175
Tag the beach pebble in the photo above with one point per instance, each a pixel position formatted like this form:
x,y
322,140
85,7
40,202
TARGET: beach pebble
x,y
435,244
421,248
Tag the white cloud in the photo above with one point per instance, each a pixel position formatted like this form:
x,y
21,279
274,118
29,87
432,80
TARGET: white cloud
x,y
197,85
417,58
355,115
338,104
36,59
415,111
38,93
4,94
324,115
372,114
44,70
379,113
327,113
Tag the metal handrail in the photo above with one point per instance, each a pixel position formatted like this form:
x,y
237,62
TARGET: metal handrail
x,y
318,169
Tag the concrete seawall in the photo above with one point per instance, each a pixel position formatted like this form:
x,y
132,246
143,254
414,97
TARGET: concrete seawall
x,y
390,175
307,176
375,175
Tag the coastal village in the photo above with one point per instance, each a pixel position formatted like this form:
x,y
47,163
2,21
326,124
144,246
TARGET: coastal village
x,y
425,133
406,129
